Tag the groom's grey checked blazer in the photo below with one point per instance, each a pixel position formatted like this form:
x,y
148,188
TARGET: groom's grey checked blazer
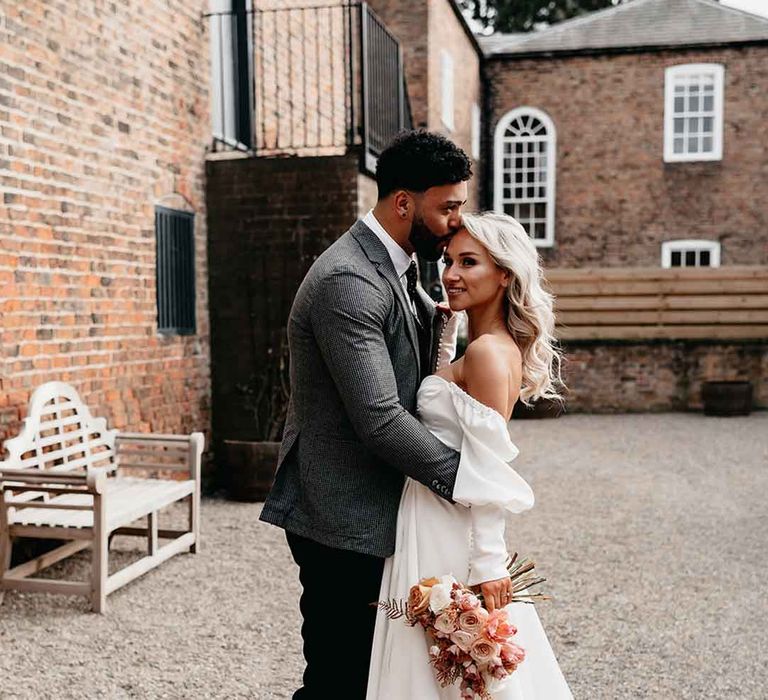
x,y
351,435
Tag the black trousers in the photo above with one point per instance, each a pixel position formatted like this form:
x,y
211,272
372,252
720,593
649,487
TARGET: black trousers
x,y
339,587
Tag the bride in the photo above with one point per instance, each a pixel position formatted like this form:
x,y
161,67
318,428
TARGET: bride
x,y
492,273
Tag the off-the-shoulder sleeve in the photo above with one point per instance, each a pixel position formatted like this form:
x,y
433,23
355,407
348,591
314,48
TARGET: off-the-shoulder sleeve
x,y
485,475
487,484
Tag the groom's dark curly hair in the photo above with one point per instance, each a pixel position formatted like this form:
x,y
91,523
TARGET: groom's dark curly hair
x,y
417,160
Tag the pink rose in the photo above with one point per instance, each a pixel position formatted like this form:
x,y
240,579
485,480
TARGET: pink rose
x,y
484,651
468,601
511,653
473,620
497,627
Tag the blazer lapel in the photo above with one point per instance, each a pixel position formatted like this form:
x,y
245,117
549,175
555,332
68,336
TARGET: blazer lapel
x,y
378,255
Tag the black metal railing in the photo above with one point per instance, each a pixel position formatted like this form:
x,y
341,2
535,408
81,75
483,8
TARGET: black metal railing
x,y
306,80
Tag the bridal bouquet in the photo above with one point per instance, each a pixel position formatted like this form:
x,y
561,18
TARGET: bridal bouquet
x,y
468,643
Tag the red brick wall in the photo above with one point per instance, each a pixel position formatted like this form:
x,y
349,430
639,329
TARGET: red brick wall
x,y
616,198
104,112
605,377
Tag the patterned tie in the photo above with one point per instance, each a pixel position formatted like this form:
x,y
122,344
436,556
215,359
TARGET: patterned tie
x,y
411,276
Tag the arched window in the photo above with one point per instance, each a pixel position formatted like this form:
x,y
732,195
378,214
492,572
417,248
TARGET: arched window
x,y
524,171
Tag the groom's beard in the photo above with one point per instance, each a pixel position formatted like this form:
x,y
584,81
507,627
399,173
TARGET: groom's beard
x,y
425,243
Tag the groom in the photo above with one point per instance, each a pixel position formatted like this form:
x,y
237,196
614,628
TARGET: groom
x,y
360,340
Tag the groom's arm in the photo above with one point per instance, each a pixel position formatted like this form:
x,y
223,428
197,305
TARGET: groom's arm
x,y
348,317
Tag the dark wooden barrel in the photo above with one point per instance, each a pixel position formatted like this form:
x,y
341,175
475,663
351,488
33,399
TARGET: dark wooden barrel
x,y
544,408
250,469
727,398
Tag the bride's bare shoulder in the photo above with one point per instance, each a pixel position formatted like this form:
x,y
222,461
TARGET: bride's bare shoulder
x,y
492,371
491,354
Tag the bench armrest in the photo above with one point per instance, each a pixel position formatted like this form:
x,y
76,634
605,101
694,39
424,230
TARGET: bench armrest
x,y
90,479
159,452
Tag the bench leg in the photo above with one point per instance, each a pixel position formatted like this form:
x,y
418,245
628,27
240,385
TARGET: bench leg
x,y
194,520
99,557
5,546
152,533
5,558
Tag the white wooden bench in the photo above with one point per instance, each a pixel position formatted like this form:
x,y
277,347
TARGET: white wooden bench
x,y
65,478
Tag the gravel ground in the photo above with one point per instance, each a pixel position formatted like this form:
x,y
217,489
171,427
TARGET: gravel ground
x,y
650,528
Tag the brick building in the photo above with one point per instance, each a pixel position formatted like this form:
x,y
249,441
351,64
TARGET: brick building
x,y
104,123
605,88
164,164
630,142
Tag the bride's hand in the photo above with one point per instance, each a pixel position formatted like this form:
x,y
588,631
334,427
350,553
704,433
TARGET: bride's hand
x,y
497,593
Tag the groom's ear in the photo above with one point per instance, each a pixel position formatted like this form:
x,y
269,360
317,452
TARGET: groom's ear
x,y
402,203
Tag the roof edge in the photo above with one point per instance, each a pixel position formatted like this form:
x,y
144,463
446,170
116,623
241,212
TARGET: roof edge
x,y
645,48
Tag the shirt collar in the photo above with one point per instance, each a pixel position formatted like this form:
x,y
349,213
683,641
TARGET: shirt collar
x,y
400,259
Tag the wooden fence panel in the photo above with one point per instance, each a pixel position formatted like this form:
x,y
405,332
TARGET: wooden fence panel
x,y
645,303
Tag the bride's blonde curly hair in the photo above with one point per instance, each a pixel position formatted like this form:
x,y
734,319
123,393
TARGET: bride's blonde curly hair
x,y
530,315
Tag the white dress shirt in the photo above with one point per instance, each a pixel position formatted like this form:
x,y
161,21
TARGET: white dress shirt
x,y
400,259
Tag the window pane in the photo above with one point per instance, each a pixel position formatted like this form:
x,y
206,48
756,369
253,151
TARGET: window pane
x,y
693,125
676,258
679,124
525,210
693,145
690,258
709,103
694,86
693,103
708,123
707,145
679,104
704,258
678,145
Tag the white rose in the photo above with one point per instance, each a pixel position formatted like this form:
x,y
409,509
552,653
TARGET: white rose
x,y
445,622
448,580
440,597
463,639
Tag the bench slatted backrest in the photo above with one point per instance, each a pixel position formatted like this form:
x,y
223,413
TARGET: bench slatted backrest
x,y
60,435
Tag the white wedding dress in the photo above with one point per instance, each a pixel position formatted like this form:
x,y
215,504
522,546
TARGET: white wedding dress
x,y
435,537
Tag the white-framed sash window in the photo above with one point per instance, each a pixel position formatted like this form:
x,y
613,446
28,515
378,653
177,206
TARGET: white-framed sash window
x,y
525,147
690,253
446,89
693,112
